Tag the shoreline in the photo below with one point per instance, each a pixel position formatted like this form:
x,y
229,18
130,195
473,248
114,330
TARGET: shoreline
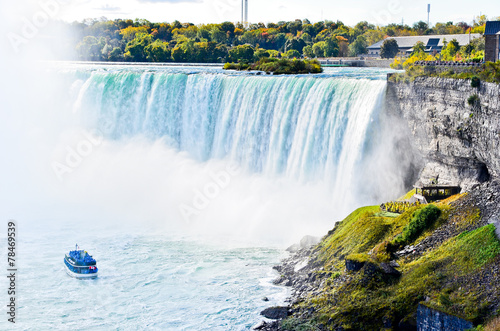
x,y
308,276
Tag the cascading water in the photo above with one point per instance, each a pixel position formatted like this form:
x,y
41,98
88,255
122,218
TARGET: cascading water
x,y
302,127
185,183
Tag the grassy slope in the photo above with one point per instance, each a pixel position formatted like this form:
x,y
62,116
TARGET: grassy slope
x,y
443,276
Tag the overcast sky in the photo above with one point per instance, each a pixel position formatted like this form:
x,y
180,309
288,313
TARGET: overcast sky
x,y
213,11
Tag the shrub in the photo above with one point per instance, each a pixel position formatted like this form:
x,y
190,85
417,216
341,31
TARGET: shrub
x,y
382,252
420,221
473,100
360,257
231,66
475,81
336,275
279,66
292,53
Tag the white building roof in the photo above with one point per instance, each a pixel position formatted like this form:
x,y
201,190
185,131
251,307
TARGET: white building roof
x,y
429,40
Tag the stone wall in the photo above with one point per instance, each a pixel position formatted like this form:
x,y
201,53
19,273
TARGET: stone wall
x,y
491,48
429,319
459,143
456,67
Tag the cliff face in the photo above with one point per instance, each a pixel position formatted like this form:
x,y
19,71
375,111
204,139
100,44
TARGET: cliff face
x,y
459,142
361,276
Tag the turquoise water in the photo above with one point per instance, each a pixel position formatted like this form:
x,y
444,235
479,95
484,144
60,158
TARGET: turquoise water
x,y
185,183
145,281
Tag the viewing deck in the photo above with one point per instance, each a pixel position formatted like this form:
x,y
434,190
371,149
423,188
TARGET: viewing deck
x,y
436,192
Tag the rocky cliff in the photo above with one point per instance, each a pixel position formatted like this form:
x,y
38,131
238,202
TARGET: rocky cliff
x,y
362,277
457,134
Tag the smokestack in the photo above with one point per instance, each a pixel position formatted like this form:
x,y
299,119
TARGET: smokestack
x,y
428,12
244,12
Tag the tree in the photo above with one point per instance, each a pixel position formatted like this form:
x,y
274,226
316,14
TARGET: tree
x,y
331,47
389,49
373,36
292,53
294,26
420,27
343,46
448,53
241,53
116,55
480,20
130,32
309,29
319,49
306,37
157,51
134,51
204,34
164,32
418,48
178,54
218,35
228,28
295,43
90,48
176,25
359,46
260,53
464,26
308,51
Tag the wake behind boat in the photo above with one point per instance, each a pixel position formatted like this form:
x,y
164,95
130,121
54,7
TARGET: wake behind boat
x,y
80,264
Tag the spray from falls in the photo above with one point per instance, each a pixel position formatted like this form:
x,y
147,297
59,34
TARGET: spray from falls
x,y
241,156
301,127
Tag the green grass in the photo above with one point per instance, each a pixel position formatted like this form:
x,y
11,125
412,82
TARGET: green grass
x,y
421,220
357,233
407,196
362,302
360,257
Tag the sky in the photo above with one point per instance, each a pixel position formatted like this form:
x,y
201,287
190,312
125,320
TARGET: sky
x,y
213,11
380,12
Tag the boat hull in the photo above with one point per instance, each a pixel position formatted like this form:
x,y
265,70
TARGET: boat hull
x,y
80,276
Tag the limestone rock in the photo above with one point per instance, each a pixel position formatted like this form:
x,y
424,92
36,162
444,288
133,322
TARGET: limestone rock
x,y
458,142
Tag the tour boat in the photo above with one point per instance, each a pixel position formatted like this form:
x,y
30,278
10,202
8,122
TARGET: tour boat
x,y
80,264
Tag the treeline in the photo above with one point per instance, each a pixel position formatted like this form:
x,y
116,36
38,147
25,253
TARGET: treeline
x,y
143,41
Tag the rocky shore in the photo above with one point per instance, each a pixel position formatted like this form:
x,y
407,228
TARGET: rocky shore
x,y
376,270
313,279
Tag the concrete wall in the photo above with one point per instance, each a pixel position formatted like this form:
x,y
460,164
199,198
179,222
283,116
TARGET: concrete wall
x,y
357,62
379,63
429,319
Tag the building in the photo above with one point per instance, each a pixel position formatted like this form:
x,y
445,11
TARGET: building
x,y
433,43
491,41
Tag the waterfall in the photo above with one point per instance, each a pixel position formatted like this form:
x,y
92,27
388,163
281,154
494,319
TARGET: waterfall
x,y
301,127
253,157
